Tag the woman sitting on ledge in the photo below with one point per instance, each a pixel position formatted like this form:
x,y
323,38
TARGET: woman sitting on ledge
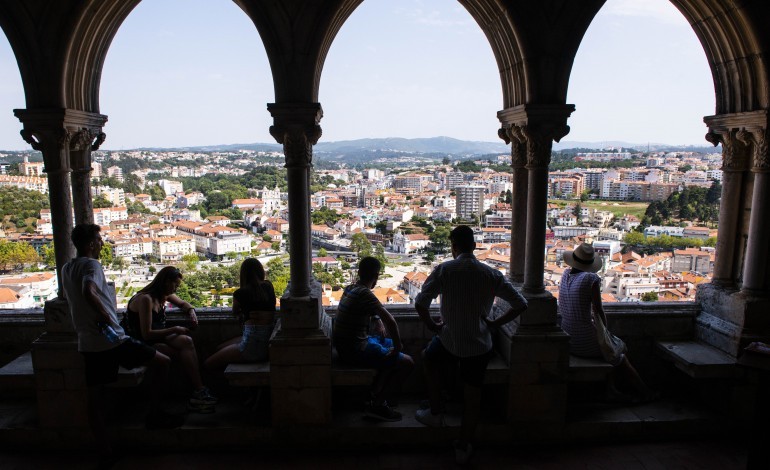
x,y
579,292
254,303
146,321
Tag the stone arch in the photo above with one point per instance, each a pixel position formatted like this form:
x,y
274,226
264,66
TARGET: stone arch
x,y
91,38
733,42
297,37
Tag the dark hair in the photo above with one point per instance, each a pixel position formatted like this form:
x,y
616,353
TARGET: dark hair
x,y
252,272
462,238
368,268
84,234
157,287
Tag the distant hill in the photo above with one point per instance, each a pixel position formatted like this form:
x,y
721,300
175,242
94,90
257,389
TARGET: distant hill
x,y
432,147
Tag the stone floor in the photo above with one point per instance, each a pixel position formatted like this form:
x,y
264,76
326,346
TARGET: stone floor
x,y
662,435
701,454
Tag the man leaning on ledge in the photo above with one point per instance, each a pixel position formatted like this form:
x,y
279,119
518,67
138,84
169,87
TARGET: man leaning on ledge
x,y
468,288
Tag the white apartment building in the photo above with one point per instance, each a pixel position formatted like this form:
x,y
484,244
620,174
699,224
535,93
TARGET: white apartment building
x,y
33,183
409,243
171,249
108,214
131,247
171,187
453,179
228,242
115,195
115,172
470,201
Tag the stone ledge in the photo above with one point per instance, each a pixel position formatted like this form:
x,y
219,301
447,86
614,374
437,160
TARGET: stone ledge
x,y
583,369
698,360
18,374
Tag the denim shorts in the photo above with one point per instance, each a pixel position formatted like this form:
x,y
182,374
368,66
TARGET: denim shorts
x,y
255,342
375,352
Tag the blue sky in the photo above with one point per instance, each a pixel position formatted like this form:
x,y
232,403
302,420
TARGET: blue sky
x,y
193,72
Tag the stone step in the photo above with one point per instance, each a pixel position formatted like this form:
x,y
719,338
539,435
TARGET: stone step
x,y
18,374
698,360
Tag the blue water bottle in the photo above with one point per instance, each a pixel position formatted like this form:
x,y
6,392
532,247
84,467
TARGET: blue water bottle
x,y
108,332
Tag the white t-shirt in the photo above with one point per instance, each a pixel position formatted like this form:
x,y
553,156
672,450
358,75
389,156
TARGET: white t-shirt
x,y
84,318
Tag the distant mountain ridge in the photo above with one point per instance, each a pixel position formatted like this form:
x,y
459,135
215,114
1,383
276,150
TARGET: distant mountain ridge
x,y
429,145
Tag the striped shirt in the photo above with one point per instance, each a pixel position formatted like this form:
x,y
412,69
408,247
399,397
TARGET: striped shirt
x,y
468,288
357,305
575,310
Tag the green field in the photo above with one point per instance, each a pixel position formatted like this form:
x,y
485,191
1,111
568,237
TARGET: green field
x,y
616,207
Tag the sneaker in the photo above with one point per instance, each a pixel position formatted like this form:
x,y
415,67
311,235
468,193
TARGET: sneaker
x,y
463,452
429,419
163,420
382,412
200,408
203,397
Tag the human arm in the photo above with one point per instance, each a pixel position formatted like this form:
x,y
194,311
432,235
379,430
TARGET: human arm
x,y
508,316
392,327
90,293
430,290
142,305
184,306
596,301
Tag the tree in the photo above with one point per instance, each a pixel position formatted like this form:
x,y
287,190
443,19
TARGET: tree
x,y
275,246
278,274
49,255
649,297
101,202
446,161
634,238
361,245
429,257
322,252
190,261
439,239
379,253
105,256
120,263
14,255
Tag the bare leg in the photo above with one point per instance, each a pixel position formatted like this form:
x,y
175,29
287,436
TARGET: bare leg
x,y
182,346
433,381
230,341
157,373
389,380
629,375
219,360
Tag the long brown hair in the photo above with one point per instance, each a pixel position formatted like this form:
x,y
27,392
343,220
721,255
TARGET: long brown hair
x,y
252,272
157,287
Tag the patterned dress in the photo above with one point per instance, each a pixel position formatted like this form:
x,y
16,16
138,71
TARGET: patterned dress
x,y
575,309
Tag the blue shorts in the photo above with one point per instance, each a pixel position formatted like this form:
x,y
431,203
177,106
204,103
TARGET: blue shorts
x,y
376,352
255,342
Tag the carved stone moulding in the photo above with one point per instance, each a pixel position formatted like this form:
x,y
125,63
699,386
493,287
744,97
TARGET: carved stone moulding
x,y
53,130
739,134
537,126
296,126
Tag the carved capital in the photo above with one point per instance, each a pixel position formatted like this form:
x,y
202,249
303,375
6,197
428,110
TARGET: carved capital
x,y
47,139
539,143
758,139
297,145
734,148
513,134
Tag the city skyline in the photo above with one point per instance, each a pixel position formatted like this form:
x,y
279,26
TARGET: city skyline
x,y
397,69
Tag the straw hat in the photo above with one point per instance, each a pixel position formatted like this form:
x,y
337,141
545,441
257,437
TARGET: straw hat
x,y
583,258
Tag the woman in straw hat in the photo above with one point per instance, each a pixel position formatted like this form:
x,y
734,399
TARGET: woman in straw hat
x,y
579,294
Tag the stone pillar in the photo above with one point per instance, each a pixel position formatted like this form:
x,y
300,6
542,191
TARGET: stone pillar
x,y
756,271
734,166
81,145
513,135
296,127
300,352
730,319
50,131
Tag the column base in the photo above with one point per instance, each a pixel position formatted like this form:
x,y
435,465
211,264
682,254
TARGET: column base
x,y
538,388
729,320
541,312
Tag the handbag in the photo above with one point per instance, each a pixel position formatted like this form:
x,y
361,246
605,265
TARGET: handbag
x,y
611,346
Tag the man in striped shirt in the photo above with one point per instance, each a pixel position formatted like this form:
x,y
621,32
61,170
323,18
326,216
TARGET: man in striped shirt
x,y
467,288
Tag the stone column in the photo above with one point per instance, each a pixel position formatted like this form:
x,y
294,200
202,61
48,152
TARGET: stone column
x,y
296,127
755,271
300,352
81,145
513,134
734,166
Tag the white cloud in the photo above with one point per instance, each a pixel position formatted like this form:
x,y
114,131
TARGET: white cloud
x,y
661,10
